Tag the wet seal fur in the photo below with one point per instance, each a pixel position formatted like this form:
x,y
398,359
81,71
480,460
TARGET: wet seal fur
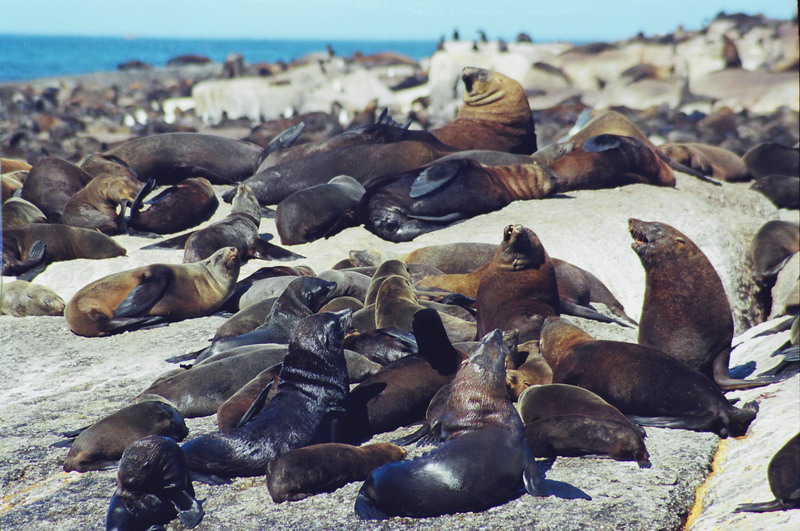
x,y
152,294
311,393
484,458
303,472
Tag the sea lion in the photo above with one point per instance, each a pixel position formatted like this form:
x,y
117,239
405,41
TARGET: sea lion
x,y
494,115
21,299
239,228
95,205
783,473
102,443
484,458
710,160
521,288
685,312
648,386
50,184
319,211
769,158
564,420
153,488
325,467
772,247
173,157
150,294
782,190
18,211
177,208
400,392
27,246
311,394
399,207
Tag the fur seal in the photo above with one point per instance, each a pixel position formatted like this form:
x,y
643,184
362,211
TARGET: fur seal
x,y
685,312
564,420
400,392
27,246
325,467
382,272
772,247
50,184
783,473
312,390
521,287
453,258
18,212
95,205
484,458
382,345
782,190
172,157
102,443
533,371
648,386
319,211
155,293
711,160
153,488
177,208
21,299
769,158
399,207
239,228
232,410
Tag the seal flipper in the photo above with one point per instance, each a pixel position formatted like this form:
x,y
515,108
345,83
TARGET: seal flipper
x,y
600,143
700,422
267,212
587,312
268,251
723,379
149,186
365,509
531,477
190,510
176,242
151,287
441,220
788,366
763,507
256,406
435,177
413,437
282,140
208,479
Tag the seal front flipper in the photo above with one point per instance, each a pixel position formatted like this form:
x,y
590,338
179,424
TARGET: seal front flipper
x,y
151,287
435,177
149,186
763,507
441,220
282,140
177,242
587,312
268,251
531,477
600,143
413,437
365,509
190,510
256,406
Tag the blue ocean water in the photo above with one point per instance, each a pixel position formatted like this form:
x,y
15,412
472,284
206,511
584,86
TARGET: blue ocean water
x,y
24,57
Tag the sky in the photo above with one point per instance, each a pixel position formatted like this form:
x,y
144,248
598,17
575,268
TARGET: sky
x,y
544,20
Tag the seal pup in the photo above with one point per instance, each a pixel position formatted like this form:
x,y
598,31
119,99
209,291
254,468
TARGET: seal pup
x,y
565,420
310,400
483,459
648,386
152,294
685,313
21,299
102,444
153,488
520,289
714,161
95,205
181,206
325,467
783,473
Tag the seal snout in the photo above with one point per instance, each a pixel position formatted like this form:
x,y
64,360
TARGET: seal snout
x,y
470,75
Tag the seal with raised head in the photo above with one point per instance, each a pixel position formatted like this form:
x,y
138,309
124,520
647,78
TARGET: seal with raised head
x,y
325,467
21,299
310,401
685,312
484,459
181,206
101,444
783,473
153,488
152,294
648,386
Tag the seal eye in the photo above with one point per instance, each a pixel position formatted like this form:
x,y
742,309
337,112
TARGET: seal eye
x,y
509,231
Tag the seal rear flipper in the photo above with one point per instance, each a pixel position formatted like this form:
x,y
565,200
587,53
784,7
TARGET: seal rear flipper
x,y
189,356
675,165
199,171
587,312
208,479
124,324
365,509
763,507
788,366
531,477
190,510
151,287
282,140
149,186
413,437
31,264
267,212
701,422
176,242
435,177
268,251
441,220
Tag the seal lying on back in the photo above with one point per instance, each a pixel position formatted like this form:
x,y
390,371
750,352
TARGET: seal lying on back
x,y
151,294
685,312
312,389
153,488
484,458
784,480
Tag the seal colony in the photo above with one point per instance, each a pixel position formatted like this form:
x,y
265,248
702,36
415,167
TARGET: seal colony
x,y
470,415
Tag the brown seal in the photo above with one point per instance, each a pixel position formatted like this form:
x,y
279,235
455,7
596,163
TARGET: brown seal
x,y
710,160
95,205
782,190
533,371
102,443
772,247
484,458
382,272
20,299
494,115
770,158
50,184
21,246
155,293
453,258
10,183
521,288
18,211
648,386
565,420
232,410
783,473
325,467
177,208
685,312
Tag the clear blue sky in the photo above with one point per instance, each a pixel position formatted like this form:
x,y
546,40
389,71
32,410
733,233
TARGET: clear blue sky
x,y
544,20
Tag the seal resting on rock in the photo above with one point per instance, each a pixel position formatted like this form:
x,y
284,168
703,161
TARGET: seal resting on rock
x,y
784,480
